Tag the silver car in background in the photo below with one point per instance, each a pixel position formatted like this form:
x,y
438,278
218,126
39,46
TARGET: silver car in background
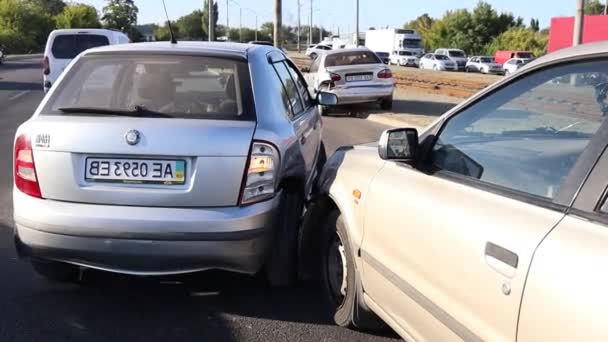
x,y
437,63
354,75
160,158
404,58
484,65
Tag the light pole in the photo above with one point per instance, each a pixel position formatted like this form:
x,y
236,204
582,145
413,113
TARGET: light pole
x,y
357,23
299,27
227,18
211,30
310,25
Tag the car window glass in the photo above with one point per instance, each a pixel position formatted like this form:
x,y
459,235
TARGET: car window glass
x,y
528,135
314,67
68,46
290,87
180,86
300,83
352,58
442,57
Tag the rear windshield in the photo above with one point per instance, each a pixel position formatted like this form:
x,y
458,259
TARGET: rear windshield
x,y
525,55
486,60
455,53
174,86
352,58
68,46
405,53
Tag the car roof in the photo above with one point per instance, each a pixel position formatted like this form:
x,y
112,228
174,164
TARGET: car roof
x,y
584,50
184,47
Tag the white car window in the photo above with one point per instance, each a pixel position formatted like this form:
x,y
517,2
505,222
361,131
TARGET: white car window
x,y
526,136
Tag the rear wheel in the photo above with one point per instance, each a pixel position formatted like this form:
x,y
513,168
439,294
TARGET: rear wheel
x,y
387,103
313,55
282,267
55,271
339,278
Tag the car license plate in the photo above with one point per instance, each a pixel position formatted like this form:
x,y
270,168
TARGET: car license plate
x,y
357,78
135,171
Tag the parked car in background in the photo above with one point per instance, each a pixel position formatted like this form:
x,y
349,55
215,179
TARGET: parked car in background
x,y
404,58
437,63
316,50
458,56
483,64
261,42
2,54
384,57
502,56
159,158
64,45
514,64
354,75
504,195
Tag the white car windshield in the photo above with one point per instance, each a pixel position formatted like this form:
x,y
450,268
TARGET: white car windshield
x,y
486,60
456,53
405,53
442,57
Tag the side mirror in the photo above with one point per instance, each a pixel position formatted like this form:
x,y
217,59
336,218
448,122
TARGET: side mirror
x,y
327,99
398,144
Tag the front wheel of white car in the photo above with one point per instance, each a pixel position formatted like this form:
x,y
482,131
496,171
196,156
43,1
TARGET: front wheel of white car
x,y
339,278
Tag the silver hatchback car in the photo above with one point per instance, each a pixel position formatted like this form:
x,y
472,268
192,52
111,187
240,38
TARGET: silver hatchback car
x,y
161,158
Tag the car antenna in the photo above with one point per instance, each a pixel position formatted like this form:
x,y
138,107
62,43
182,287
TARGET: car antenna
x,y
173,40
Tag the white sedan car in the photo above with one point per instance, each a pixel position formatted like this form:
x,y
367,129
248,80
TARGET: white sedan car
x,y
354,75
437,63
483,64
314,51
404,58
514,64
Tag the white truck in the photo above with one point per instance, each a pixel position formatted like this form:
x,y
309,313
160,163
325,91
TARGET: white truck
x,y
392,39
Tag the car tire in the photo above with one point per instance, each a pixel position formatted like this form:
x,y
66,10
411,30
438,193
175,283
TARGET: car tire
x,y
343,292
507,72
282,266
435,67
55,271
313,55
387,103
323,110
467,69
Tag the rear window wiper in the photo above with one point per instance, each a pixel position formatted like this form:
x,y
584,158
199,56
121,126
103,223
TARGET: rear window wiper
x,y
138,111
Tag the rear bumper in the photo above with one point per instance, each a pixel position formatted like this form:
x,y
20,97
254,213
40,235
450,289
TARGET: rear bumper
x,y
351,95
145,240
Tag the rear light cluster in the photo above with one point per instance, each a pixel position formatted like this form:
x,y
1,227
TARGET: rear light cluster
x,y
335,77
46,68
261,175
25,170
386,73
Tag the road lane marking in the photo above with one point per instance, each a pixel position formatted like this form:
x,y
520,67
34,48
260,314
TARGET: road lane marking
x,y
16,96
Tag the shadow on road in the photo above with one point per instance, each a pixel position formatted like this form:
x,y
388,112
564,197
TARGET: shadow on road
x,y
16,65
19,85
424,108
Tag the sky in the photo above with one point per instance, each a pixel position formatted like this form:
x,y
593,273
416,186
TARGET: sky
x,y
332,14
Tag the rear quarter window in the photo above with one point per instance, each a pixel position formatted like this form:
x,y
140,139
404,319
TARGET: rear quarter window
x,y
175,86
68,46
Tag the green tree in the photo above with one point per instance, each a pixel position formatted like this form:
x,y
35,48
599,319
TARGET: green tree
x,y
121,15
161,33
534,25
52,7
594,7
205,18
24,26
76,15
190,26
519,38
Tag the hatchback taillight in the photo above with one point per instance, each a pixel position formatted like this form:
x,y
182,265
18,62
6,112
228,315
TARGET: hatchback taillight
x,y
335,77
261,174
46,68
386,73
25,170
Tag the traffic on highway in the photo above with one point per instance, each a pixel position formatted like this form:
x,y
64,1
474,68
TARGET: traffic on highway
x,y
385,184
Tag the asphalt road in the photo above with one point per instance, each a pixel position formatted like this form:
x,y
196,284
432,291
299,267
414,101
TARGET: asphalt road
x,y
209,306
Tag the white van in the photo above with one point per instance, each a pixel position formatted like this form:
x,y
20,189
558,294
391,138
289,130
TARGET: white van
x,y
456,55
63,45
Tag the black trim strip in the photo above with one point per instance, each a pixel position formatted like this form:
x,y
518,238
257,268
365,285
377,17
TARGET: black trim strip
x,y
502,254
441,315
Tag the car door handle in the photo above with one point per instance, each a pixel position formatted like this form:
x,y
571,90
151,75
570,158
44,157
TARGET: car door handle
x,y
501,259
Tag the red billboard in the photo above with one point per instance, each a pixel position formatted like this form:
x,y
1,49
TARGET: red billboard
x,y
560,37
